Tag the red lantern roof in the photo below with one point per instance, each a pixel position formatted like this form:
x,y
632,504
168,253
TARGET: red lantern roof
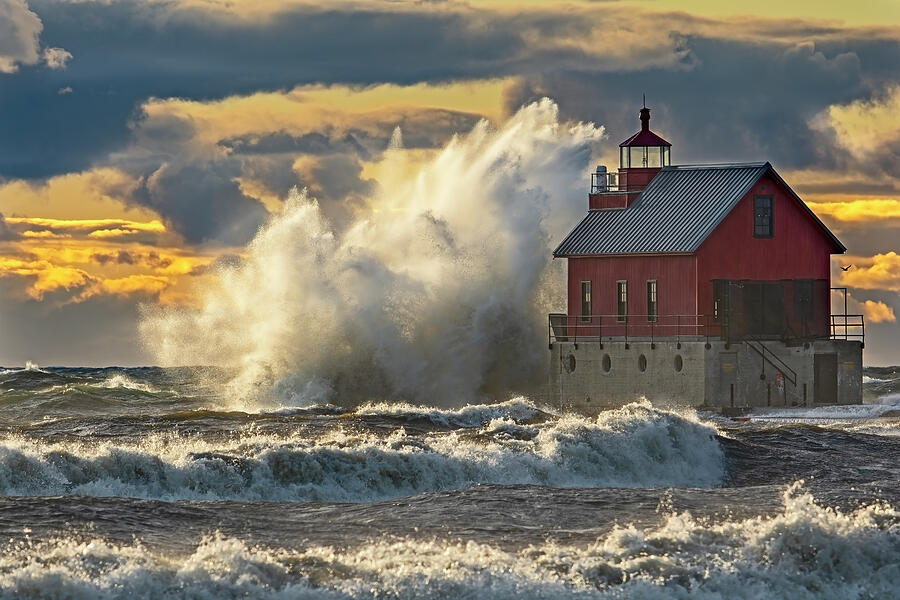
x,y
644,137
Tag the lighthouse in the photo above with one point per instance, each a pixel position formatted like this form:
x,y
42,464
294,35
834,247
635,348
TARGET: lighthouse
x,y
700,285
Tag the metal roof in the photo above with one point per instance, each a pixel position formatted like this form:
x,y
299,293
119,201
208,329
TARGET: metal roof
x,y
680,207
644,138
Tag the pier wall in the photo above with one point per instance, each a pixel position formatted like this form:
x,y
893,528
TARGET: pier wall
x,y
589,377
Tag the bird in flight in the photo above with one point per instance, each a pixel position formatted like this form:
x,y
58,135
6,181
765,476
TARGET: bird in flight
x,y
847,268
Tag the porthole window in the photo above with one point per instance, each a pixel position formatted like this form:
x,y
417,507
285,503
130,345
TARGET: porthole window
x,y
679,363
607,363
569,363
642,363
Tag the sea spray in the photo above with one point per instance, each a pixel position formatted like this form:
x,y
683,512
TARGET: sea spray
x,y
435,293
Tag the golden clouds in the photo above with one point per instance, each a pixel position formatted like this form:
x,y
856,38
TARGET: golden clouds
x,y
46,277
110,233
45,234
96,194
84,272
877,312
864,210
874,311
879,272
126,286
94,257
317,108
89,225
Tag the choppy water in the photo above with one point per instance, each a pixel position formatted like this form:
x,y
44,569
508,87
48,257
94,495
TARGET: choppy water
x,y
129,483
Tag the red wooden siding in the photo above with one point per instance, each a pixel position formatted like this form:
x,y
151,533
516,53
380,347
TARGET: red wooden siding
x,y
676,285
799,249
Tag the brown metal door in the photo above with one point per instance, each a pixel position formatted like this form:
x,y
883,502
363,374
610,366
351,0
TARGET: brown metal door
x,y
825,390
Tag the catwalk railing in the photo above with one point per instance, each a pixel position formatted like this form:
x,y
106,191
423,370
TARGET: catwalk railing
x,y
848,327
597,328
600,328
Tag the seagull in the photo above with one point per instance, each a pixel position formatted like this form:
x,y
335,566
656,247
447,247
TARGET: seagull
x,y
847,268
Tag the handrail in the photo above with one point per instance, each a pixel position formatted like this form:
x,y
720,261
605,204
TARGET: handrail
x,y
784,368
593,328
848,327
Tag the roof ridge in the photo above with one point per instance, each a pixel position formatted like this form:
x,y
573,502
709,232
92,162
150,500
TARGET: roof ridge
x,y
743,165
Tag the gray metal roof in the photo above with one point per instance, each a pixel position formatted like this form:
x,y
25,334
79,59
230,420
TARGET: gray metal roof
x,y
680,207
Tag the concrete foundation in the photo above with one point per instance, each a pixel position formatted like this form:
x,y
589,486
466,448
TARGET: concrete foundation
x,y
589,377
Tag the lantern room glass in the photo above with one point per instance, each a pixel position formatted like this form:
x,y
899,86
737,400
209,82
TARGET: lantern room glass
x,y
644,157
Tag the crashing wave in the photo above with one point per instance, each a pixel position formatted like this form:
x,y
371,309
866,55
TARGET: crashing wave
x,y
636,446
805,551
471,415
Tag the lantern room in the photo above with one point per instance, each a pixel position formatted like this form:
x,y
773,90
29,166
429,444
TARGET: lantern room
x,y
645,149
642,156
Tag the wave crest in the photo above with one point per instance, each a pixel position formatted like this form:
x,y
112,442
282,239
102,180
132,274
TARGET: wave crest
x,y
805,551
635,446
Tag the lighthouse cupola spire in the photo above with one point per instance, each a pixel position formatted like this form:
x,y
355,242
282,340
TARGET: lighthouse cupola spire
x,y
642,155
645,116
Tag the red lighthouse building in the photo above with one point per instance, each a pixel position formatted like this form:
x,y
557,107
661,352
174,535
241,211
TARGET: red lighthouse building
x,y
702,285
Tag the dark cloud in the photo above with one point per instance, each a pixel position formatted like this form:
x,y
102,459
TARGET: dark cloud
x,y
741,101
127,257
721,96
336,181
99,331
203,202
128,52
6,233
283,142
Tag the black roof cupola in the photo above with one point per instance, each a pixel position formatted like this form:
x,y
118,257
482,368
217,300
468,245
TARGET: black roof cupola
x,y
645,149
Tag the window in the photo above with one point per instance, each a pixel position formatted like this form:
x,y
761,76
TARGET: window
x,y
585,300
762,216
638,156
720,299
622,300
652,312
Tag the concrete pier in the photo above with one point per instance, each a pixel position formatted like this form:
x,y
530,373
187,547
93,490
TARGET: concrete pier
x,y
593,376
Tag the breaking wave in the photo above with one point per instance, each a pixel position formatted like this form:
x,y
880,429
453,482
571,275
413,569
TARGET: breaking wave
x,y
636,446
435,293
471,415
804,551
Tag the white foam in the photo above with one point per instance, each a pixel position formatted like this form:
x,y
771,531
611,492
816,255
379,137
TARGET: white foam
x,y
471,415
121,381
637,445
841,412
805,552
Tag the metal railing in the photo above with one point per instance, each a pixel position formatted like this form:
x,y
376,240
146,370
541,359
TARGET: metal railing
x,y
604,182
845,326
774,360
596,328
848,327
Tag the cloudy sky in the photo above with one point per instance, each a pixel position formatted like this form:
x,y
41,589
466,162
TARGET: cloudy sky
x,y
143,142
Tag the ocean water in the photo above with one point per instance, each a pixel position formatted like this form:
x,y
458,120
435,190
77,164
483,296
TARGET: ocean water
x,y
130,483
